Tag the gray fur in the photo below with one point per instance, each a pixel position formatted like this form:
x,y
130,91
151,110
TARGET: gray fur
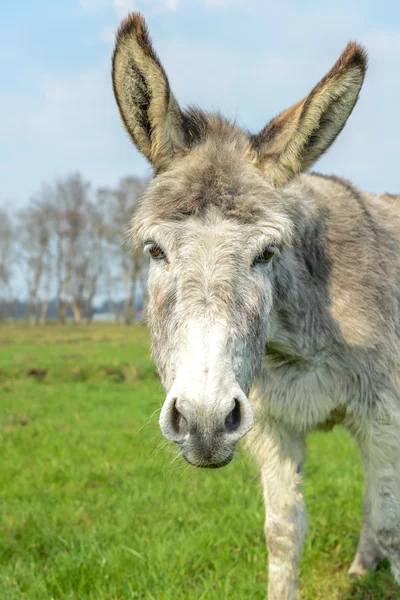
x,y
305,341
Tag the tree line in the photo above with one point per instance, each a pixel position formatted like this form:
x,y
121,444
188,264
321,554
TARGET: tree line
x,y
68,249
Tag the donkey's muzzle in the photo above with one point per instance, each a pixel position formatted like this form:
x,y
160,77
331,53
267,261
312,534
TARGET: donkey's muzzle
x,y
203,464
206,431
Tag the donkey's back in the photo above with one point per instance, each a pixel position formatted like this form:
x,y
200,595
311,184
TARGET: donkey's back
x,y
362,239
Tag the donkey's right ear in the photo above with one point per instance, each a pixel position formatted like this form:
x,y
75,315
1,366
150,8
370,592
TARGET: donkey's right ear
x,y
148,109
296,138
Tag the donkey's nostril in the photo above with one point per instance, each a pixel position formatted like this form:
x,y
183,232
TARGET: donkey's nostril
x,y
178,421
232,421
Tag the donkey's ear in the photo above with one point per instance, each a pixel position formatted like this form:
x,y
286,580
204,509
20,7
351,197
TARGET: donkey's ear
x,y
148,109
296,138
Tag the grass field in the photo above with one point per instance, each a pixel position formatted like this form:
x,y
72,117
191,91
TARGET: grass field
x,y
94,506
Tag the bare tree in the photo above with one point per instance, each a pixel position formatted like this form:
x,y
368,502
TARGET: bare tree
x,y
71,246
79,247
127,268
7,260
59,250
34,234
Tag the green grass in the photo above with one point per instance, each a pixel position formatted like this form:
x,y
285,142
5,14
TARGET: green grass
x,y
94,506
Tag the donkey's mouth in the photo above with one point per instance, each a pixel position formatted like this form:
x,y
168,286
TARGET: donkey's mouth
x,y
203,464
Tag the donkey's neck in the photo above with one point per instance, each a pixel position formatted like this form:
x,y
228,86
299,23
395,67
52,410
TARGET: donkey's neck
x,y
301,323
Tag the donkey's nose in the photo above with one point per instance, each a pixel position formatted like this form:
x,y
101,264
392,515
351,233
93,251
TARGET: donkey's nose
x,y
183,422
181,418
233,418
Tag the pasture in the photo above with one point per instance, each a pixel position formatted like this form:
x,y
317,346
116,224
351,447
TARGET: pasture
x,y
93,504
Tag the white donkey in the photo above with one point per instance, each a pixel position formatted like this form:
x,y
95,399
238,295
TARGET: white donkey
x,y
273,296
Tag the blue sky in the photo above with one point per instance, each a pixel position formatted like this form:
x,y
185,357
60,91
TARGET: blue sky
x,y
249,58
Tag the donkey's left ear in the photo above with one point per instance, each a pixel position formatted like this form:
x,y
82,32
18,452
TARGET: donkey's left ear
x,y
148,109
296,138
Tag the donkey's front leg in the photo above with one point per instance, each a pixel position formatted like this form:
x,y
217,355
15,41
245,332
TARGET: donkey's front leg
x,y
369,554
281,456
380,451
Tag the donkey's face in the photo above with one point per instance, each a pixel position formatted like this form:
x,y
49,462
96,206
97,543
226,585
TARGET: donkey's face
x,y
212,239
214,221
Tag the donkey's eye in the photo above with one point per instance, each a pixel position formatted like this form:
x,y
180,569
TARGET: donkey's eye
x,y
156,253
267,254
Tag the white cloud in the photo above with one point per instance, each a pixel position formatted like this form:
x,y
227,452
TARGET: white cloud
x,y
73,125
215,2
123,7
94,6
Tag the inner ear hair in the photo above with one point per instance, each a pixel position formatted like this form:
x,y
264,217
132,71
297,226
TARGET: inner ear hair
x,y
297,137
148,109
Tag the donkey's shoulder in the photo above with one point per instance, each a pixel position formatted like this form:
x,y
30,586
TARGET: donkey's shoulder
x,y
360,236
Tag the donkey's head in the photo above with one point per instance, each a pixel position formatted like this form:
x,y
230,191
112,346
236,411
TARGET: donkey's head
x,y
214,220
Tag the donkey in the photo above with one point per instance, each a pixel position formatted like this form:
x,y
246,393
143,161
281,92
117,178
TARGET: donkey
x,y
273,295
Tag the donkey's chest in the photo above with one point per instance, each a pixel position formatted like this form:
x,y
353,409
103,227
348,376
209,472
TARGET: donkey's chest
x,y
300,395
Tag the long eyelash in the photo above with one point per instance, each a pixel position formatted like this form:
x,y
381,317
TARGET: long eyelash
x,y
161,254
273,250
